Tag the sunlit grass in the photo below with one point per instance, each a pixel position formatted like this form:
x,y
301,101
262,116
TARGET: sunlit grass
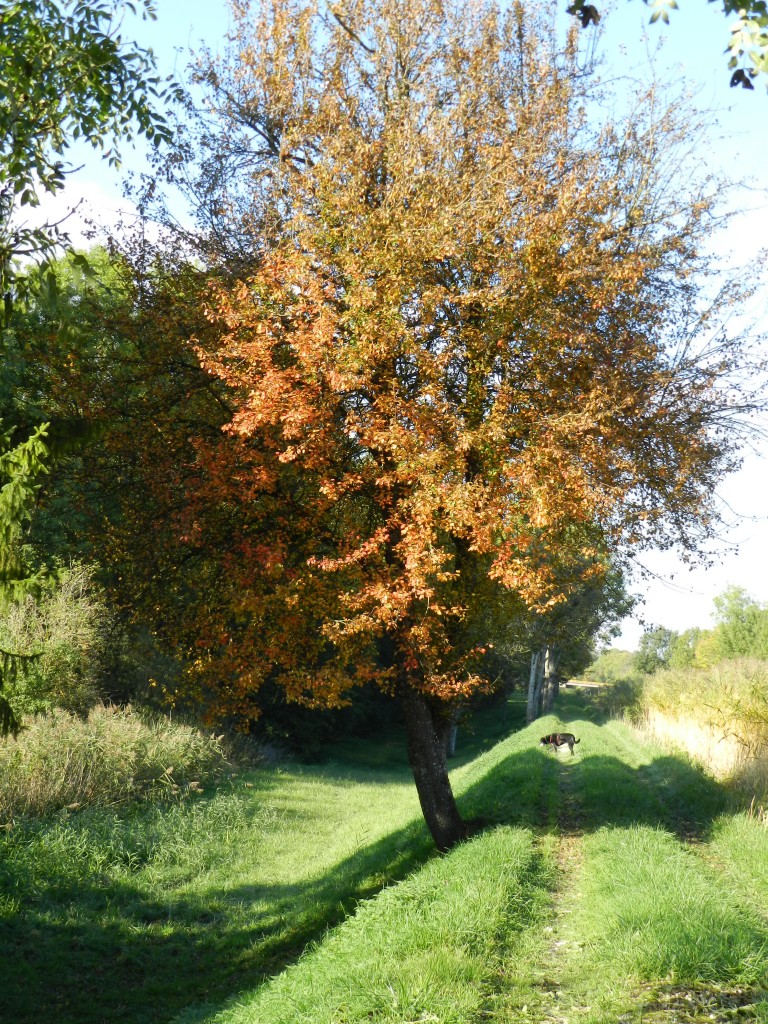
x,y
650,909
313,894
739,847
427,949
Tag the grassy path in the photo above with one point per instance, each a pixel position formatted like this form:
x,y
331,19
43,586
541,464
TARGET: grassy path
x,y
612,887
651,919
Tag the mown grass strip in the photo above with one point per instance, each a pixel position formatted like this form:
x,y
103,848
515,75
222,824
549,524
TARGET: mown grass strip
x,y
644,928
134,913
427,949
652,924
649,910
739,848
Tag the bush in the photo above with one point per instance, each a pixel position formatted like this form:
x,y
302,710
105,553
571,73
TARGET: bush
x,y
62,761
67,631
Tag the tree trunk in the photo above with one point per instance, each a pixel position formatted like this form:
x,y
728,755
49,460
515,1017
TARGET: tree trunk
x,y
535,682
426,733
452,731
450,746
550,677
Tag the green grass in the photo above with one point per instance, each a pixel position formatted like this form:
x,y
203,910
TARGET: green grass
x,y
427,949
648,909
647,917
132,914
611,886
110,757
739,849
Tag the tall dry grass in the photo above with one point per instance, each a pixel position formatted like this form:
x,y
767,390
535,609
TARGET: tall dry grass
x,y
62,761
67,631
719,715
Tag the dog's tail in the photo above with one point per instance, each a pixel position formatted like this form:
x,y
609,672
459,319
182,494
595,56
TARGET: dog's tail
x,y
577,741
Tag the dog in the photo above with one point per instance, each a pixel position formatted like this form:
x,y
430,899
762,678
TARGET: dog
x,y
559,739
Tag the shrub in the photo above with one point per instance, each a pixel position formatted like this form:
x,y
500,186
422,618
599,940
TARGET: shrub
x,y
67,629
113,756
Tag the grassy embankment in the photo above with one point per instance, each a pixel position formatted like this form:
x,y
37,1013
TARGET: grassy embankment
x,y
611,886
718,714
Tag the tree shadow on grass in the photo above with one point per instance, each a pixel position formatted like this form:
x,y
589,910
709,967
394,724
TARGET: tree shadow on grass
x,y
591,791
102,950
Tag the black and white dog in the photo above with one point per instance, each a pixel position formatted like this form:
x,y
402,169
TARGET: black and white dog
x,y
558,739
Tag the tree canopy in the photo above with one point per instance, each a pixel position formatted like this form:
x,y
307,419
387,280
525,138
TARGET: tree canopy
x,y
65,74
459,332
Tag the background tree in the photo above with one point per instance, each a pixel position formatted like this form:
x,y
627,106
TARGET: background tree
x,y
741,625
65,74
683,648
565,636
464,329
21,467
655,649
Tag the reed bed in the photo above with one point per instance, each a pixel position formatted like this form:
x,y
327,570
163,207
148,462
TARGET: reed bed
x,y
718,715
113,756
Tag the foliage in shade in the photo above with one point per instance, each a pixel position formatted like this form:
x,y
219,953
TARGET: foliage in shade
x,y
65,74
21,467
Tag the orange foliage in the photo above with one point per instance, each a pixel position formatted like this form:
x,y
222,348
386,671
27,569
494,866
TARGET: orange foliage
x,y
461,363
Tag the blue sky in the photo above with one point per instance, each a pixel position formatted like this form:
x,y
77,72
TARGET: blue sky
x,y
691,48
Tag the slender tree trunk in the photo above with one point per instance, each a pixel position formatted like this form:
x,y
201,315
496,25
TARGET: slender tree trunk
x,y
426,732
550,677
450,746
452,732
535,683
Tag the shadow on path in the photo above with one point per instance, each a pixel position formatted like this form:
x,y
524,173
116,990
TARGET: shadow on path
x,y
105,946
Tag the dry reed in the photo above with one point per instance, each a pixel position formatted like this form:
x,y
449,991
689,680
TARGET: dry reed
x,y
61,761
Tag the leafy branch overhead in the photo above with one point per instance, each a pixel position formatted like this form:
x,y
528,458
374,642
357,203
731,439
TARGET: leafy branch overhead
x,y
748,45
66,75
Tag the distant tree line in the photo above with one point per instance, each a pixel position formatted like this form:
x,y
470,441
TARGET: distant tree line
x,y
740,631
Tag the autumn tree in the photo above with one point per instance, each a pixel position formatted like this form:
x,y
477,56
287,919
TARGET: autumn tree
x,y
461,327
